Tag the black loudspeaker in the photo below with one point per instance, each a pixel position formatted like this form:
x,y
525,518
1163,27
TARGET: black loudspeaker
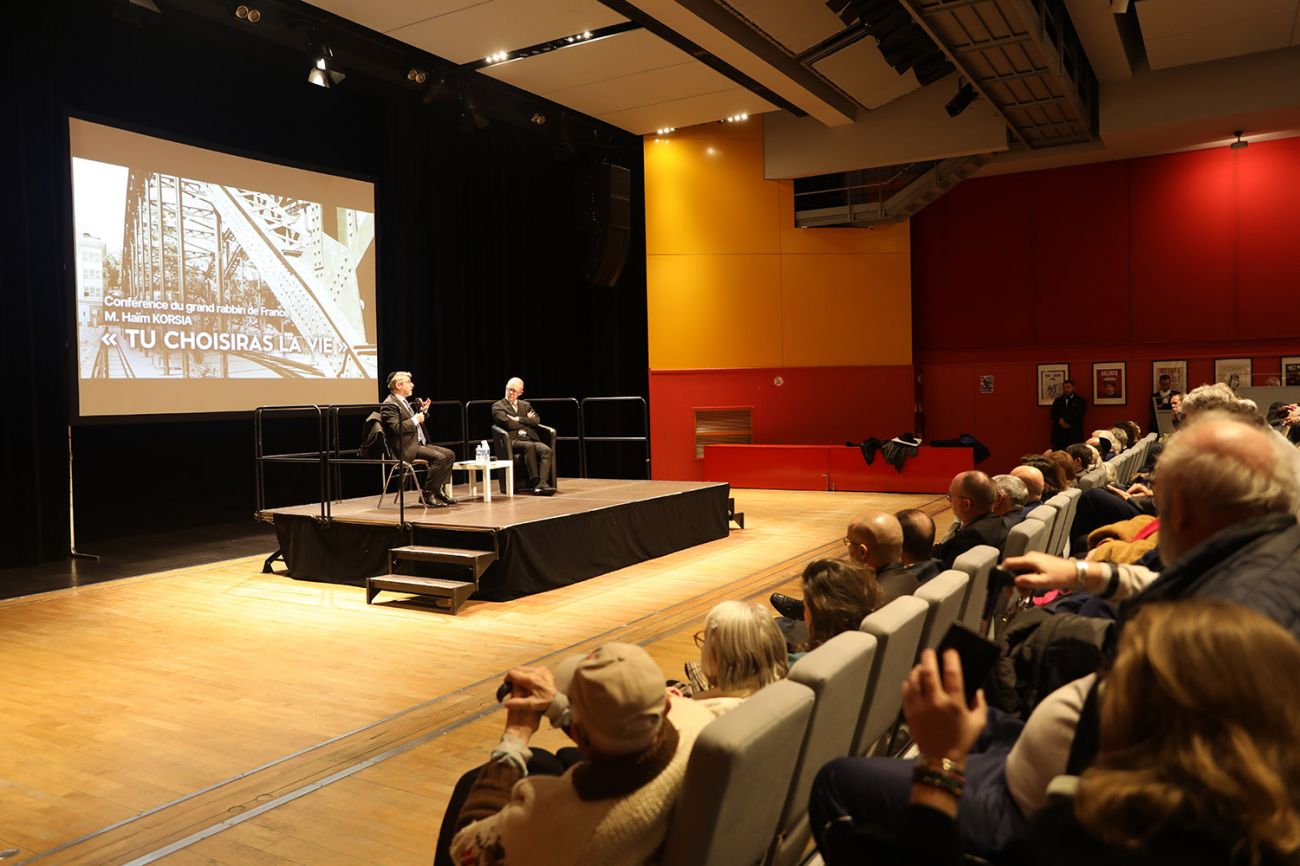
x,y
609,212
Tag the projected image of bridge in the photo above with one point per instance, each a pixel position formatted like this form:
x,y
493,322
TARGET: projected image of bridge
x,y
215,281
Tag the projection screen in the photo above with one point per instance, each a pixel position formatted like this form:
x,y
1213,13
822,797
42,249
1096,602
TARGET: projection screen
x,y
207,282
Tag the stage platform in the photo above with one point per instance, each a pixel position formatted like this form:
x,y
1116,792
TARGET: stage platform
x,y
592,526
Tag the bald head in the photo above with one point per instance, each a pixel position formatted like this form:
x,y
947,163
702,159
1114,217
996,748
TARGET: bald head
x,y
971,494
875,538
1033,479
1217,471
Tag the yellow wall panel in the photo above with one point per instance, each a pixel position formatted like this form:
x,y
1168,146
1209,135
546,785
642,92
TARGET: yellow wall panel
x,y
846,310
705,193
712,311
731,283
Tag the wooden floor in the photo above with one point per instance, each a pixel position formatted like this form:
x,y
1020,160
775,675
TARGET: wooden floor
x,y
214,714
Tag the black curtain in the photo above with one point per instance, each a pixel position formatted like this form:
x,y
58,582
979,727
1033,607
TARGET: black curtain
x,y
480,254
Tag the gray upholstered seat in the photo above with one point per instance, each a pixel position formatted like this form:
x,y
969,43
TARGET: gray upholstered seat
x,y
944,594
837,672
1061,504
977,562
738,778
897,630
1063,530
1047,515
1025,536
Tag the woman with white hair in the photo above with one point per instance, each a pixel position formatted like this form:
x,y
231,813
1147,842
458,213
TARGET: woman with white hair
x,y
741,650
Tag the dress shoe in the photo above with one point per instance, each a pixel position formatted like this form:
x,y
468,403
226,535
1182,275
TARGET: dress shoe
x,y
790,608
545,490
445,500
430,502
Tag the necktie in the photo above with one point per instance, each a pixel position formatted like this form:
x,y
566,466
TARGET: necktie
x,y
419,428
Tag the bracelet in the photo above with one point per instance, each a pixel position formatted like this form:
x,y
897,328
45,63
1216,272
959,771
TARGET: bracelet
x,y
941,765
1112,583
946,782
1081,573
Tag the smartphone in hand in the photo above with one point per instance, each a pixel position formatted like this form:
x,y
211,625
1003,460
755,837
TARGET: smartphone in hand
x,y
978,656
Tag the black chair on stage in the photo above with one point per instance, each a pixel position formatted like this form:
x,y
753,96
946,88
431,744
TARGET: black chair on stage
x,y
501,450
373,435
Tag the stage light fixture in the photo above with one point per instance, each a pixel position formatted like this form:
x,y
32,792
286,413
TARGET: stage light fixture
x,y
1238,144
736,118
664,130
497,57
419,76
538,118
247,13
325,70
965,96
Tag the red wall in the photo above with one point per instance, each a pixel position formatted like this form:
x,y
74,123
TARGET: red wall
x,y
1184,256
813,405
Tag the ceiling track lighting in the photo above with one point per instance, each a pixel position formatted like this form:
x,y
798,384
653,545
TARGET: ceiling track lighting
x,y
665,130
965,96
736,118
247,13
578,37
325,70
1238,144
498,57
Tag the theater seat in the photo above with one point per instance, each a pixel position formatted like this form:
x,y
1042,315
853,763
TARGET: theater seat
x,y
737,780
897,630
944,594
977,562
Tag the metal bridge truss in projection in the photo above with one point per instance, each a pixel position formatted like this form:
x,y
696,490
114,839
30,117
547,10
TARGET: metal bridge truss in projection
x,y
179,229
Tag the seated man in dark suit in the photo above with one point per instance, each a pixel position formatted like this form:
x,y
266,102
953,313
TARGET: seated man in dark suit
x,y
918,544
404,427
520,422
972,495
1011,497
874,539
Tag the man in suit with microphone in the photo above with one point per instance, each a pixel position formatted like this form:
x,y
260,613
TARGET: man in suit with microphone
x,y
404,426
520,423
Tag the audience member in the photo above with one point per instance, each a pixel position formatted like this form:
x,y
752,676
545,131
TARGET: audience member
x,y
837,596
1053,480
741,650
1009,502
1119,436
1196,762
874,539
612,807
1034,483
1081,457
1065,463
918,543
971,495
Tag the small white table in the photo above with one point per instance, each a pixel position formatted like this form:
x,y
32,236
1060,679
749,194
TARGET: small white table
x,y
483,472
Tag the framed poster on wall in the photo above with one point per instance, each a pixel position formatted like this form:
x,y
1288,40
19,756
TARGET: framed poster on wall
x,y
1050,379
1109,387
1233,372
1291,371
1175,370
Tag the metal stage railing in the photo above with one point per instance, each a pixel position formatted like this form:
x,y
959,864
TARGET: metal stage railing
x,y
320,457
644,438
330,456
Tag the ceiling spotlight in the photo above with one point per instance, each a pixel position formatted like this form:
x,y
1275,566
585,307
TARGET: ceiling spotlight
x,y
498,57
538,119
737,118
1238,144
325,71
965,96
419,76
247,13
664,130
586,34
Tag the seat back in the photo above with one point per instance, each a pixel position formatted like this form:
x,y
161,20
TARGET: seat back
x,y
1092,478
737,780
1072,505
897,630
1048,514
976,562
944,594
1019,537
1056,534
837,672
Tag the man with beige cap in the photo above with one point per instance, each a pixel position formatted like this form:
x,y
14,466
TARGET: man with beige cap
x,y
613,807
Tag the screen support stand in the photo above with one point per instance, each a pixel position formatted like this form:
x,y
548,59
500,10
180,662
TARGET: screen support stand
x,y
72,512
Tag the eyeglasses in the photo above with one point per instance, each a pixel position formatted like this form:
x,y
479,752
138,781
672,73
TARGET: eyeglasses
x,y
847,542
698,637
